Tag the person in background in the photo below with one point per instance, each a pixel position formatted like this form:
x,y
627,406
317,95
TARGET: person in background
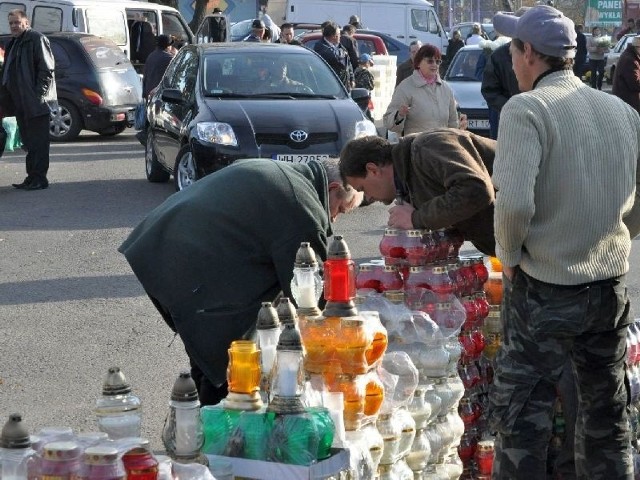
x,y
355,21
455,44
28,92
257,31
626,78
348,41
443,177
565,213
332,51
422,101
597,57
476,35
581,52
363,77
286,35
227,256
266,37
630,28
157,64
406,68
271,25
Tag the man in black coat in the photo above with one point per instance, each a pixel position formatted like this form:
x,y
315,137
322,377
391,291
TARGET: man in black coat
x,y
212,253
406,68
330,49
499,84
581,52
156,64
348,41
626,78
29,93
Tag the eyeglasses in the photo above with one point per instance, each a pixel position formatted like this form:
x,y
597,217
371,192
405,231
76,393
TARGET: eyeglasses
x,y
431,61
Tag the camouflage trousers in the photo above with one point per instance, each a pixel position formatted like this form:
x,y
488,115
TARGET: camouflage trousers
x,y
544,326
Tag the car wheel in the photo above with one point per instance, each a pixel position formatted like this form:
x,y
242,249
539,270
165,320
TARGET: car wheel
x,y
184,172
65,122
114,130
155,172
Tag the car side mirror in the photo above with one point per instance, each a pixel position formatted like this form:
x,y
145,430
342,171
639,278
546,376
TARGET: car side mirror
x,y
361,96
172,95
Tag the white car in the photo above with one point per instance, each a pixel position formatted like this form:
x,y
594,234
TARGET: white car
x,y
614,55
465,81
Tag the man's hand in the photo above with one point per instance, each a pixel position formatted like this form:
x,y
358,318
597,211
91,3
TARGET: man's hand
x,y
400,216
508,272
464,123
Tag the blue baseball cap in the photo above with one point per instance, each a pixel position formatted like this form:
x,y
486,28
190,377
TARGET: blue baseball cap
x,y
544,27
366,58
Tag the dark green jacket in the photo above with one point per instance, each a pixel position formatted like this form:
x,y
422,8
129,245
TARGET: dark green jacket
x,y
446,175
213,252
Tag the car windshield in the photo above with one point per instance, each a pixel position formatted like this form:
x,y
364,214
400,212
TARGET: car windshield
x,y
463,67
237,73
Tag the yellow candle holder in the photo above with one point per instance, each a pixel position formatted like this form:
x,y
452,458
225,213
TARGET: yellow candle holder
x,y
243,372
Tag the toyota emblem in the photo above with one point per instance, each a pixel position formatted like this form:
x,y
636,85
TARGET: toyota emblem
x,y
298,136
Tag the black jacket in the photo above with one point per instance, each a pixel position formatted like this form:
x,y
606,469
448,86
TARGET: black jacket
x,y
339,61
155,67
404,70
499,83
33,81
351,44
213,252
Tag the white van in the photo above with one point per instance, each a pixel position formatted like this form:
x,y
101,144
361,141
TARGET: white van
x,y
132,25
406,20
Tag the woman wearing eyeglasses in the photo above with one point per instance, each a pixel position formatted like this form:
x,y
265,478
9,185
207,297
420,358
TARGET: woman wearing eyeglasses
x,y
423,101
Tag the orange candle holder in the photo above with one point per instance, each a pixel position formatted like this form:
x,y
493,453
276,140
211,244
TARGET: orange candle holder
x,y
243,372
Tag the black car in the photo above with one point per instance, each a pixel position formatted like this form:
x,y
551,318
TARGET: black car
x,y
218,103
98,88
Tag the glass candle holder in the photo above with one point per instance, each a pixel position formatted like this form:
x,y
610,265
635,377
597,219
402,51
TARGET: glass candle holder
x,y
243,372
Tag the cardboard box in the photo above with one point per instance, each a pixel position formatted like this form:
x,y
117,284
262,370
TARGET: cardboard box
x,y
260,470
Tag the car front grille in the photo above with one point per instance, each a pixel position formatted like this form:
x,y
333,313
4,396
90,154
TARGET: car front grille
x,y
284,139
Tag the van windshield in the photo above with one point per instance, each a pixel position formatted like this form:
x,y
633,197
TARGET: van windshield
x,y
109,23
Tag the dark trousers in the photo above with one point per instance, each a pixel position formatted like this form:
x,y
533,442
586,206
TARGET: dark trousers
x,y
597,73
208,393
544,326
34,132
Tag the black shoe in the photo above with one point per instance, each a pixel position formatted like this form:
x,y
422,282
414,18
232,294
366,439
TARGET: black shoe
x,y
36,185
22,185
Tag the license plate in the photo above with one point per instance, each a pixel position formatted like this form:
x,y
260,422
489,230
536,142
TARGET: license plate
x,y
298,158
131,115
479,124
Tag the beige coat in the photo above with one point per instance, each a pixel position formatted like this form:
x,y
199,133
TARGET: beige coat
x,y
432,106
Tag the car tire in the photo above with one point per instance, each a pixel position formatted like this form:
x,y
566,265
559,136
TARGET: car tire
x,y
112,131
153,168
184,171
65,122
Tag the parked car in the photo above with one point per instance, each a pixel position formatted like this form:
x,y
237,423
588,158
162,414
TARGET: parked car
x,y
461,77
98,88
367,43
218,103
466,27
402,51
614,55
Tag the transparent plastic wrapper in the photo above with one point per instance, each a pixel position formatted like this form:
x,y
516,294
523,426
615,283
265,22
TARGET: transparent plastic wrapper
x,y
323,421
353,388
18,463
164,468
362,464
251,437
218,423
408,427
449,315
334,402
378,333
52,434
403,368
293,440
191,471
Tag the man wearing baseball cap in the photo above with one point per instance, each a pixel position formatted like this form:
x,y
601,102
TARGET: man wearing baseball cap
x,y
564,219
257,31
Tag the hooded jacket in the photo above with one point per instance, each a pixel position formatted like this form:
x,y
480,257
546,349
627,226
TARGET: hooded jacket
x,y
446,175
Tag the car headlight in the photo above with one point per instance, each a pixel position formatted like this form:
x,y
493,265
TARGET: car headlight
x,y
365,128
217,132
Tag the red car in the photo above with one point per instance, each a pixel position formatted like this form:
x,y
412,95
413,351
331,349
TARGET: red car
x,y
367,43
